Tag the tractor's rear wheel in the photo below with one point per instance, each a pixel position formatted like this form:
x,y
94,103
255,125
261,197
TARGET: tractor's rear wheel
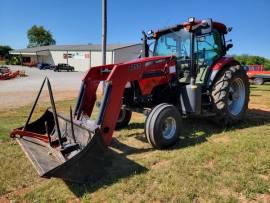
x,y
163,126
123,119
230,95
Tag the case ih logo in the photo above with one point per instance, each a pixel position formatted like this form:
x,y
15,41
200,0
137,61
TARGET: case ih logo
x,y
134,67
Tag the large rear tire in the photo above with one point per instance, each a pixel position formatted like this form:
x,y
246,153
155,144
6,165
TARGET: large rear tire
x,y
163,126
123,119
230,94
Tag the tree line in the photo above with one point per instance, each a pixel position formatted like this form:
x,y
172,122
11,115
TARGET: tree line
x,y
246,59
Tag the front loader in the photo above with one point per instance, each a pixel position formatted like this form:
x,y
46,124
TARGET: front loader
x,y
186,75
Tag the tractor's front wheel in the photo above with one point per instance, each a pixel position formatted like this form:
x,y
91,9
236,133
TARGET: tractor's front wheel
x,y
230,95
123,118
163,126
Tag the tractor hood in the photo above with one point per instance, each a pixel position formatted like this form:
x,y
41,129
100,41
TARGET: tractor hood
x,y
147,59
108,68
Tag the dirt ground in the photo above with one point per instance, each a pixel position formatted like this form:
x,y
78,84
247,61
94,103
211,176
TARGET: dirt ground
x,y
23,90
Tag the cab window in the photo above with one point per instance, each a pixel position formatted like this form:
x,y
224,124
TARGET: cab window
x,y
173,43
209,47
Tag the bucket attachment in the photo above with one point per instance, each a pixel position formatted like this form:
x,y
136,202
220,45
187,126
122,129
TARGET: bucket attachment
x,y
59,147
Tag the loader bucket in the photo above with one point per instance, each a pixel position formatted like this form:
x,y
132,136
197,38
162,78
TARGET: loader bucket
x,y
79,160
59,146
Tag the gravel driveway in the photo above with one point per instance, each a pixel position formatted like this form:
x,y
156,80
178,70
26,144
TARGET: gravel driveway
x,y
22,90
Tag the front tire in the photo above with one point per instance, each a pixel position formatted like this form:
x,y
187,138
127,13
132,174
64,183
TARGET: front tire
x,y
163,126
230,94
123,119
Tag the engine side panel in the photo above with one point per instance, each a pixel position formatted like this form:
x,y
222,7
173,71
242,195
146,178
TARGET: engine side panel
x,y
159,74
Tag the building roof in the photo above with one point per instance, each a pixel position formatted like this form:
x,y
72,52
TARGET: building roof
x,y
82,47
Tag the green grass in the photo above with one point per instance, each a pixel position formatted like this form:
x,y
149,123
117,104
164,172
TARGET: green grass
x,y
209,164
13,118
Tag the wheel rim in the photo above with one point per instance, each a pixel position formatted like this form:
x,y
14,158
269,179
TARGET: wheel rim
x,y
236,98
168,128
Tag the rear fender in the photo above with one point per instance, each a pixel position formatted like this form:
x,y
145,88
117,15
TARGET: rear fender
x,y
218,66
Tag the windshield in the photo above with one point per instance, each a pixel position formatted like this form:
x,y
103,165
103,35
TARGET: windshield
x,y
173,43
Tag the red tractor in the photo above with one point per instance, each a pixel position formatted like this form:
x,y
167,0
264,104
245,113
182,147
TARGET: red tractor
x,y
186,75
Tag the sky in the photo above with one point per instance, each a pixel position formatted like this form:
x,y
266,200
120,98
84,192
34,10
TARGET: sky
x,y
79,21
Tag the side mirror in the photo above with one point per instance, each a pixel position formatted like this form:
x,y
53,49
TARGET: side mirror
x,y
229,29
228,46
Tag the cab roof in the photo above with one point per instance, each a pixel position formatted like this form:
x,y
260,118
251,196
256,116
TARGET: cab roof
x,y
216,25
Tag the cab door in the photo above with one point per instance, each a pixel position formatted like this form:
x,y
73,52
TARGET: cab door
x,y
208,49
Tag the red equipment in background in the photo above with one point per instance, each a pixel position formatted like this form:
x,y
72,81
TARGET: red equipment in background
x,y
6,73
257,75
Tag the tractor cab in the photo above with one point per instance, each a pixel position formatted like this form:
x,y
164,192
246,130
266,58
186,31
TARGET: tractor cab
x,y
199,43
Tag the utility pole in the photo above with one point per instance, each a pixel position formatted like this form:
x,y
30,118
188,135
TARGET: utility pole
x,y
104,37
104,31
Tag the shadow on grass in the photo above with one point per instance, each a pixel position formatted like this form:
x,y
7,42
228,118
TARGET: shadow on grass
x,y
118,167
196,131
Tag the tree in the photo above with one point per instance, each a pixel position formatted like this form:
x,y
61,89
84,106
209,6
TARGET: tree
x,y
267,65
39,36
4,51
249,60
14,60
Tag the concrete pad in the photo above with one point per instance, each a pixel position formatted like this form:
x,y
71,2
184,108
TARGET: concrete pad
x,y
21,91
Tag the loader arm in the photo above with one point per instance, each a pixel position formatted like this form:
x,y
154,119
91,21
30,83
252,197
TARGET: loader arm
x,y
115,78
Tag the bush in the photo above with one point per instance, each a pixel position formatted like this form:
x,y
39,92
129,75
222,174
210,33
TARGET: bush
x,y
267,65
14,60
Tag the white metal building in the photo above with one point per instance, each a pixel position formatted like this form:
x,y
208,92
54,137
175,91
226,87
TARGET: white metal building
x,y
82,57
